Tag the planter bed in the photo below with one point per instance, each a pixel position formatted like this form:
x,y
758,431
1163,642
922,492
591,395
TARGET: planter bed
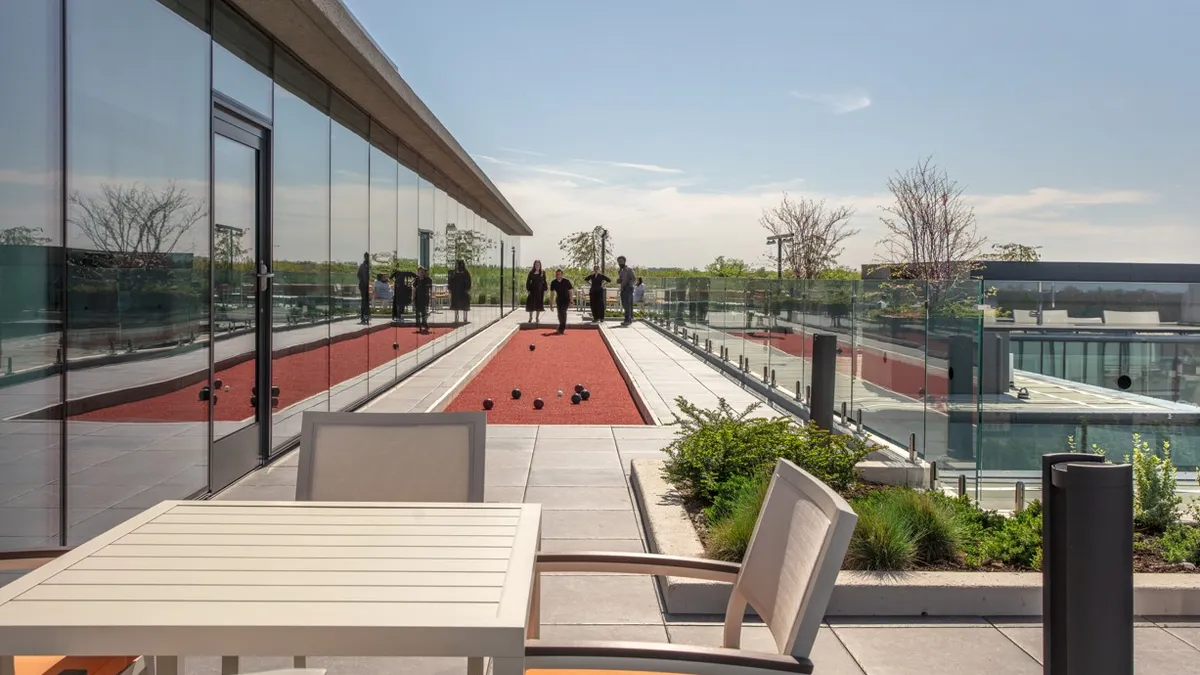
x,y
944,592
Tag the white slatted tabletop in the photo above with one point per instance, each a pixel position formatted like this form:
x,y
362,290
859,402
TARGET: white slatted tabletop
x,y
288,578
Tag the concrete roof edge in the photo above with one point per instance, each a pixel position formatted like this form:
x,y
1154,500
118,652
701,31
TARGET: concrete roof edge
x,y
439,149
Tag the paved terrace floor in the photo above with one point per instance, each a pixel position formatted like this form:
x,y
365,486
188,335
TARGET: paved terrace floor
x,y
580,476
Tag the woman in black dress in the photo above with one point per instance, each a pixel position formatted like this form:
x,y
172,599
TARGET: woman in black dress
x,y
561,289
422,292
536,286
460,290
403,296
596,293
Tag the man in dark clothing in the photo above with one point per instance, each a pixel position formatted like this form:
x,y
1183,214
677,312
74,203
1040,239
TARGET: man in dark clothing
x,y
422,293
561,289
364,289
625,279
596,293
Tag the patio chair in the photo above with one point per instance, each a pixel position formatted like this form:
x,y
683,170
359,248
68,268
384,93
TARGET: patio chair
x,y
392,457
787,577
25,560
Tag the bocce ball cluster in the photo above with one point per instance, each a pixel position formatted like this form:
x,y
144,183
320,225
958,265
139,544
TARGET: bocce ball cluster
x,y
581,394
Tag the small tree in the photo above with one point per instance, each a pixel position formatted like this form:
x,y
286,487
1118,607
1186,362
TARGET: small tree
x,y
1014,252
135,225
728,267
467,245
23,236
931,232
582,250
817,234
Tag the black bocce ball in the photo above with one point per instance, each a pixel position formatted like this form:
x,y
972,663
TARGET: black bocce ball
x,y
538,403
516,394
488,403
576,398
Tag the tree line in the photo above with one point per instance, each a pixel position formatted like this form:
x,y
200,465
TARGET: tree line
x,y
930,232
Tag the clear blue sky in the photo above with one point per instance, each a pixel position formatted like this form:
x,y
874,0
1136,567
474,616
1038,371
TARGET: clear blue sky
x,y
1073,125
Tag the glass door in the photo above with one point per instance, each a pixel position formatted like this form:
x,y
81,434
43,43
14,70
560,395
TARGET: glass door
x,y
241,307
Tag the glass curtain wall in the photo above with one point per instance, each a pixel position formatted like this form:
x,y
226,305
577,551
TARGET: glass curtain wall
x,y
31,274
302,292
116,322
138,258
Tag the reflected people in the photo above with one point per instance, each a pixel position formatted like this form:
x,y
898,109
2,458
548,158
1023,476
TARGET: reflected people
x,y
460,291
561,289
597,293
422,294
364,290
535,286
403,296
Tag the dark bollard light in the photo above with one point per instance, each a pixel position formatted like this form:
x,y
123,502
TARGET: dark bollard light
x,y
1087,565
824,369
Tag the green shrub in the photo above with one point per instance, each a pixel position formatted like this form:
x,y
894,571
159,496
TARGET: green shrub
x,y
713,446
1155,504
881,540
931,521
729,534
1180,544
1017,540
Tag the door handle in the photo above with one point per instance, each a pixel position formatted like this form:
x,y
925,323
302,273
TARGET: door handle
x,y
264,276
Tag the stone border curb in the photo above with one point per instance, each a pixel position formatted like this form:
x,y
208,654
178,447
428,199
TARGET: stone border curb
x,y
669,531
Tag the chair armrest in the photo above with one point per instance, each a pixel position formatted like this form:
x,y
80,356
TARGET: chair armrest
x,y
30,558
639,563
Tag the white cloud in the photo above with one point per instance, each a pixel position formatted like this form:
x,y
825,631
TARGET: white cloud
x,y
839,102
523,152
652,168
671,225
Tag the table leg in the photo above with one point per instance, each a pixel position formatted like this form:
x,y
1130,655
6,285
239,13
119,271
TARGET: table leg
x,y
8,665
508,666
534,630
476,666
166,665
230,665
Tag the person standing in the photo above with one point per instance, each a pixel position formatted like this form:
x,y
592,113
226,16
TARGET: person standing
x,y
460,290
596,293
422,293
561,289
535,285
403,295
625,279
364,290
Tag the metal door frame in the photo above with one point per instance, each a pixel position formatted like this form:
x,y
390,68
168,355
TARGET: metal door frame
x,y
230,123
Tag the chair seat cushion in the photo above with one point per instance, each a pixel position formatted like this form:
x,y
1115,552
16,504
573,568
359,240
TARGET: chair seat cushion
x,y
63,665
665,652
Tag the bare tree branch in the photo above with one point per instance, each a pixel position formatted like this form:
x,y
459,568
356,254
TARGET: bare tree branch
x,y
136,225
817,234
931,228
581,250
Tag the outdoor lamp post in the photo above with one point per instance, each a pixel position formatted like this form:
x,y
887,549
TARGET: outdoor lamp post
x,y
778,240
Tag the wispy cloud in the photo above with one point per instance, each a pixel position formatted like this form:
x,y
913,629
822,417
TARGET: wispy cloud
x,y
652,168
839,102
565,174
523,152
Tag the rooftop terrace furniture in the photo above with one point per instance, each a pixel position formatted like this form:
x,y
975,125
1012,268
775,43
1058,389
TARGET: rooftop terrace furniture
x,y
30,559
1150,318
392,457
787,577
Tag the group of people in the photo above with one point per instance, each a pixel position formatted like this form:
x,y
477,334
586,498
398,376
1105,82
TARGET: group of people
x,y
406,288
560,288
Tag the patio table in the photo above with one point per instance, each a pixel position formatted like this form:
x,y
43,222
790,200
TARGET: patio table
x,y
288,578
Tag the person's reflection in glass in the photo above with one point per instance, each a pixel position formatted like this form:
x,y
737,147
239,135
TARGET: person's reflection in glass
x,y
460,290
422,292
404,294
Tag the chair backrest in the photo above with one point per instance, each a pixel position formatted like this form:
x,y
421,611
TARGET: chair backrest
x,y
392,457
794,556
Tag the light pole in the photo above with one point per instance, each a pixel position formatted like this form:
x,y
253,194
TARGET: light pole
x,y
778,240
603,249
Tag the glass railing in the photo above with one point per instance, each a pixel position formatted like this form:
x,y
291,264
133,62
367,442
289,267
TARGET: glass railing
x,y
980,377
